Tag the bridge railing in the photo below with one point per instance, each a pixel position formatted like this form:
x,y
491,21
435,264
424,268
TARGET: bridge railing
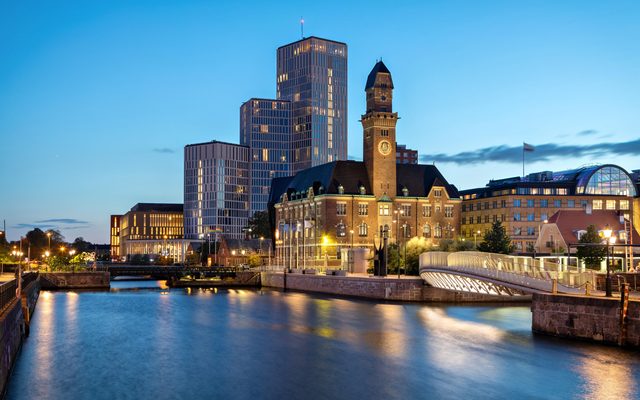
x,y
507,266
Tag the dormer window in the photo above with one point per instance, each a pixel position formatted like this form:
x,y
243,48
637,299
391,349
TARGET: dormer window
x,y
580,233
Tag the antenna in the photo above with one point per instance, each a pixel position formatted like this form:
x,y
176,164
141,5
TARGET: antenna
x,y
302,27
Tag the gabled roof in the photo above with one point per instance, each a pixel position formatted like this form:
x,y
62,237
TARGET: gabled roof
x,y
569,222
377,69
419,179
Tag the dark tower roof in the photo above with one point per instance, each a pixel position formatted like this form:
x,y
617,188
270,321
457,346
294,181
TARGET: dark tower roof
x,y
377,69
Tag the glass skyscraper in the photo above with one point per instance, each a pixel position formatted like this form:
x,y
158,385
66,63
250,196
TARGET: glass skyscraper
x,y
312,75
265,127
216,189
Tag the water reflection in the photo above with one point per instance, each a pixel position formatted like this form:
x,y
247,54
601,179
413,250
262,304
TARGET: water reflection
x,y
237,344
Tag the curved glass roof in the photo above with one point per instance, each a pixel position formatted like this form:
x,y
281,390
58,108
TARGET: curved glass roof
x,y
604,180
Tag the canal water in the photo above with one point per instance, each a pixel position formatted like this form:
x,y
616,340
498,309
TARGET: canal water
x,y
144,341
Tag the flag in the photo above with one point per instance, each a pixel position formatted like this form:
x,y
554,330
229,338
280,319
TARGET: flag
x,y
527,147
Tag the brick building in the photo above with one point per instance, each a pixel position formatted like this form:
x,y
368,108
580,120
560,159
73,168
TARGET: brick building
x,y
343,204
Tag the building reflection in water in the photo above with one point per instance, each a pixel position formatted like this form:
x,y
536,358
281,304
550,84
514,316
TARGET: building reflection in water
x,y
607,374
46,338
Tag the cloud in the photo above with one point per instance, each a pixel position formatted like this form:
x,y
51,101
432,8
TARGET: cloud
x,y
354,158
71,221
588,132
164,150
543,152
32,226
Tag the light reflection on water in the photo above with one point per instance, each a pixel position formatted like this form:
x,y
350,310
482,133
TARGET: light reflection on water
x,y
153,342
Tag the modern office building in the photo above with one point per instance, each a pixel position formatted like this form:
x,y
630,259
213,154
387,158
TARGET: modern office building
x,y
265,127
324,209
216,189
405,155
524,204
114,236
312,75
154,230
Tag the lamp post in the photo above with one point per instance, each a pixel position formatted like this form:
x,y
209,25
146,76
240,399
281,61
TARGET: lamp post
x,y
475,238
607,235
48,236
351,251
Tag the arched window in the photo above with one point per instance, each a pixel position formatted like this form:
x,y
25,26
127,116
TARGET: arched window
x,y
363,229
341,230
406,229
448,232
438,231
426,230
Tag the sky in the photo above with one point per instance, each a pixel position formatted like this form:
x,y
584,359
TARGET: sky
x,y
98,99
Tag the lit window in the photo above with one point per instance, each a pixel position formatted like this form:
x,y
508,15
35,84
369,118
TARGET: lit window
x,y
448,211
384,209
624,204
363,209
426,230
426,210
611,204
341,209
597,204
363,229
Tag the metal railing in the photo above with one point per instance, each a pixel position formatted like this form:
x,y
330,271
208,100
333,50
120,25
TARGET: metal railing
x,y
523,271
7,294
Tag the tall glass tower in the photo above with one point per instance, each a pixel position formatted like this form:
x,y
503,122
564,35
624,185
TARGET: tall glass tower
x,y
265,127
312,75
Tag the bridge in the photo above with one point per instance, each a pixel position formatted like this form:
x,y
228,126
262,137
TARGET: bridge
x,y
499,274
166,272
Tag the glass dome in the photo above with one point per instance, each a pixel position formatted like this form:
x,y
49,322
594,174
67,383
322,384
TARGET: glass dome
x,y
605,180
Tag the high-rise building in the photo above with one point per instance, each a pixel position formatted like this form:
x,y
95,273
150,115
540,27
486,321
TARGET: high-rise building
x,y
312,74
265,127
216,189
114,236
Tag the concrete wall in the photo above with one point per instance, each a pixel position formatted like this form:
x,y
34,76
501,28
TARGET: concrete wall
x,y
374,288
590,318
75,280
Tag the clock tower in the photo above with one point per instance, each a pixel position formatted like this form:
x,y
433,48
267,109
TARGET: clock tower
x,y
379,136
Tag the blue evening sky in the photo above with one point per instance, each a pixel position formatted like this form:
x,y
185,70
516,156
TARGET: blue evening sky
x,y
98,99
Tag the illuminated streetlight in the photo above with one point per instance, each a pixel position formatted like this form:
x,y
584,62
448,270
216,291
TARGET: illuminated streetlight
x,y
609,240
475,238
49,237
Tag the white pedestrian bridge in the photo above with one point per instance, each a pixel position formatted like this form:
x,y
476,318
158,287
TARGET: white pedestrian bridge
x,y
499,274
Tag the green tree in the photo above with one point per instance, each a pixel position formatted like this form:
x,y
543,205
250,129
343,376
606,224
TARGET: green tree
x,y
81,245
259,225
496,240
254,259
591,255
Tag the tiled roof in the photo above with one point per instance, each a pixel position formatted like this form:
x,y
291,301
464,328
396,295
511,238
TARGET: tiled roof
x,y
569,222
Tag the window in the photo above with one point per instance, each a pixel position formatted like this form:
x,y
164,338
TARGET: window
x,y
405,209
557,203
571,203
597,204
544,203
495,218
464,220
531,231
610,204
437,193
341,230
531,217
583,203
486,218
486,205
384,132
624,204
383,209
438,231
363,209
517,203
495,204
516,216
531,203
464,207
406,229
426,230
478,219
341,209
517,231
426,210
503,204
544,216
448,211
363,229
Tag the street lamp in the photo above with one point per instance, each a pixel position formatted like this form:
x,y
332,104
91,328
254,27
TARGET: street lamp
x,y
49,236
475,238
609,240
351,251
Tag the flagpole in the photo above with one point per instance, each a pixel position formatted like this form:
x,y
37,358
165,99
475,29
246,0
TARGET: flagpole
x,y
522,160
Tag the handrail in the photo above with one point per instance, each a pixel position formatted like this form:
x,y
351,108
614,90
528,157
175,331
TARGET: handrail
x,y
7,294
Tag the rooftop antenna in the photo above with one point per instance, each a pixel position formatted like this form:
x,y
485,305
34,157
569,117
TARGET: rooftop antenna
x,y
302,27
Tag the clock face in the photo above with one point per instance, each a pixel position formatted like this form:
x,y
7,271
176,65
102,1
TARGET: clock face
x,y
384,147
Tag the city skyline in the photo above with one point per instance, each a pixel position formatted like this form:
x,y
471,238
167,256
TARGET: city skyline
x,y
101,106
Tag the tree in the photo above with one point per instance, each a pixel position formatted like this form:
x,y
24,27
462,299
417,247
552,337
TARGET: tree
x,y
254,259
592,256
259,225
82,245
496,240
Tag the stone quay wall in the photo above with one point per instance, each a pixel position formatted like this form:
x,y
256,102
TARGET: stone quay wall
x,y
589,318
14,327
393,289
75,280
